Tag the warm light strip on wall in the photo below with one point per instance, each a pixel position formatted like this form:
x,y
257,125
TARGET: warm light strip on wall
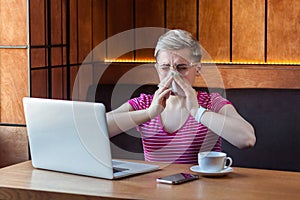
x,y
204,62
129,61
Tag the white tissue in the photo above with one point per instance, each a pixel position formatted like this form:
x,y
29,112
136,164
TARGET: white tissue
x,y
176,89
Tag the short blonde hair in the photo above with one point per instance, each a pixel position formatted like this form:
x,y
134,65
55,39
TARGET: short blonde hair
x,y
178,39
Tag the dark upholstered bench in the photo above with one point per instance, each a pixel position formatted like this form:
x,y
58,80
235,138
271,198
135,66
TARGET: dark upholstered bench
x,y
274,113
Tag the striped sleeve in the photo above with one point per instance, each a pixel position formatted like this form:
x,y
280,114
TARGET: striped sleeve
x,y
217,102
141,102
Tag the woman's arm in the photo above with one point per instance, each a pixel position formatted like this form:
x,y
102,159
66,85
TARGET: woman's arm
x,y
227,123
231,126
124,117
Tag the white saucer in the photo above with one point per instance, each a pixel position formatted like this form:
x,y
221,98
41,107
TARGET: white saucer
x,y
206,173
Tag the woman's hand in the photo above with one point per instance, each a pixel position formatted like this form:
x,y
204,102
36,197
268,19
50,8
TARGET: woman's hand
x,y
191,101
160,97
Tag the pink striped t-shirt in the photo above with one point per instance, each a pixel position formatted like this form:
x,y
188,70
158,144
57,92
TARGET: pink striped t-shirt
x,y
183,145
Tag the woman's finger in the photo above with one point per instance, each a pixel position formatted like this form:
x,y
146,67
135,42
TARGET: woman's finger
x,y
166,82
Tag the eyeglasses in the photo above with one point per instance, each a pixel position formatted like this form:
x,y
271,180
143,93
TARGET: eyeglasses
x,y
182,68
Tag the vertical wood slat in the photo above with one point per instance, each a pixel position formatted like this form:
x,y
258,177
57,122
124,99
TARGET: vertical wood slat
x,y
148,14
214,29
13,84
84,46
37,22
99,30
37,30
38,83
182,14
248,30
120,18
84,29
283,43
73,45
99,36
56,22
73,32
57,52
74,89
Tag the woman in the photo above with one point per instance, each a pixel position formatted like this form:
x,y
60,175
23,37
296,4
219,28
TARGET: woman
x,y
177,122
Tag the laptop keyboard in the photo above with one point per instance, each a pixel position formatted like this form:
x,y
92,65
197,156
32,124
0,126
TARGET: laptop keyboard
x,y
119,169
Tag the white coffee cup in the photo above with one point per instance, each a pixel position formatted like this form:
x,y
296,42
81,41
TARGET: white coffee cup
x,y
213,161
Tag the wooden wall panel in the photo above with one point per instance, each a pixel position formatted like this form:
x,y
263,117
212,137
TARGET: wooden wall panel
x,y
252,76
57,83
74,88
223,76
38,57
248,30
64,21
148,14
84,29
13,84
38,83
283,44
99,29
56,22
214,29
119,19
73,32
94,20
13,29
37,22
182,14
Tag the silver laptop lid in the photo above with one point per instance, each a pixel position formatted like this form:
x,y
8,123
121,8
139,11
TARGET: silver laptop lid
x,y
68,136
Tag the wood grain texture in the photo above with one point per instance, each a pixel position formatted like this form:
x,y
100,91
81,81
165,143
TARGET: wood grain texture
x,y
214,28
74,87
73,33
120,19
38,57
13,26
58,83
37,22
224,76
128,73
99,29
39,83
283,42
243,183
182,14
251,77
13,84
13,145
84,30
148,14
248,30
56,22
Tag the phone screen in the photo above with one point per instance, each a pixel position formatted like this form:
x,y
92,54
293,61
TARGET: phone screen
x,y
177,178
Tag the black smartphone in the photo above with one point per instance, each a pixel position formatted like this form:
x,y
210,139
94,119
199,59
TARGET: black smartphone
x,y
177,178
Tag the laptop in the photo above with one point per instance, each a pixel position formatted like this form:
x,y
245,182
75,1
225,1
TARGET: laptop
x,y
72,137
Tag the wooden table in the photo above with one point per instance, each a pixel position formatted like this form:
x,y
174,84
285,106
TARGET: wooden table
x,y
22,181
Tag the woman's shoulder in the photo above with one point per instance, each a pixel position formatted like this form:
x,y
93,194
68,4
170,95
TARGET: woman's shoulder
x,y
214,100
207,94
